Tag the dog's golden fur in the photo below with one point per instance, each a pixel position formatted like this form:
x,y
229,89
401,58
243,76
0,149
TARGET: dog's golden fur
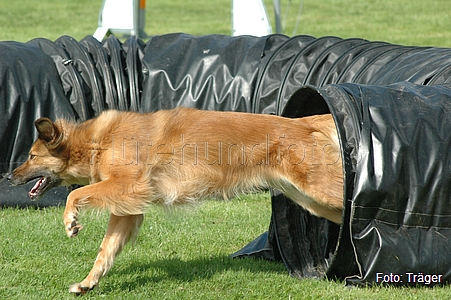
x,y
127,161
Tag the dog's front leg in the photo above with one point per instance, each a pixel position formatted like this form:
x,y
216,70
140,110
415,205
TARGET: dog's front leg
x,y
120,230
90,196
76,199
107,194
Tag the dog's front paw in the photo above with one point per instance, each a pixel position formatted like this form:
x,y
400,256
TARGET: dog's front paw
x,y
73,228
79,289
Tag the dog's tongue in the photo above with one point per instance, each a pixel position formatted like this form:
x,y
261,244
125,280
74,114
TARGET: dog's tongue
x,y
34,190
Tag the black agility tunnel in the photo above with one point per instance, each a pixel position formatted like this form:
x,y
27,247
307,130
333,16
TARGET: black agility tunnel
x,y
390,103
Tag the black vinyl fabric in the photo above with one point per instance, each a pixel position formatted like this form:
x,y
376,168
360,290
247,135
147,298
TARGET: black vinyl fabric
x,y
396,144
390,103
30,87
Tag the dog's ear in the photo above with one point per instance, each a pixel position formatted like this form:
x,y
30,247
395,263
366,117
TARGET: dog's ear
x,y
48,131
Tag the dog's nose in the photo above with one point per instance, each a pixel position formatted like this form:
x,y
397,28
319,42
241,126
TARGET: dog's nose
x,y
8,176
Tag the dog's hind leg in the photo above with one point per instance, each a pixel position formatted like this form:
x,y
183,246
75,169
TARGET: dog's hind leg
x,y
120,230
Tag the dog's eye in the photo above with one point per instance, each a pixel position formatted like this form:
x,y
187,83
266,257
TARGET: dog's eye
x,y
32,156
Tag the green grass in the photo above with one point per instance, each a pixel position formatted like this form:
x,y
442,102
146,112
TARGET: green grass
x,y
180,255
408,22
185,255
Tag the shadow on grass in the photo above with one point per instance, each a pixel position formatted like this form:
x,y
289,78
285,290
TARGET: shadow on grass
x,y
175,269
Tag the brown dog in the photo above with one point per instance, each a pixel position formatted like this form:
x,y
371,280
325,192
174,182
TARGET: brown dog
x,y
127,161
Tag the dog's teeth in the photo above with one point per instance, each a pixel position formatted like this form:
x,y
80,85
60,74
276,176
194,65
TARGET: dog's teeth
x,y
35,189
37,185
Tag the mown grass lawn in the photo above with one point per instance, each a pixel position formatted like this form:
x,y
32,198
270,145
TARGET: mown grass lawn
x,y
185,255
407,22
180,255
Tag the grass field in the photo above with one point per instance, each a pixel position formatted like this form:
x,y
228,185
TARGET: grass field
x,y
182,255
185,255
408,22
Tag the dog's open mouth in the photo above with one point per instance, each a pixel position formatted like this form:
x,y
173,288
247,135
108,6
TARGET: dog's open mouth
x,y
44,183
38,188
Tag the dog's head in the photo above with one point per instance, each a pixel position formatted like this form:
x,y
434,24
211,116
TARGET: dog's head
x,y
46,160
